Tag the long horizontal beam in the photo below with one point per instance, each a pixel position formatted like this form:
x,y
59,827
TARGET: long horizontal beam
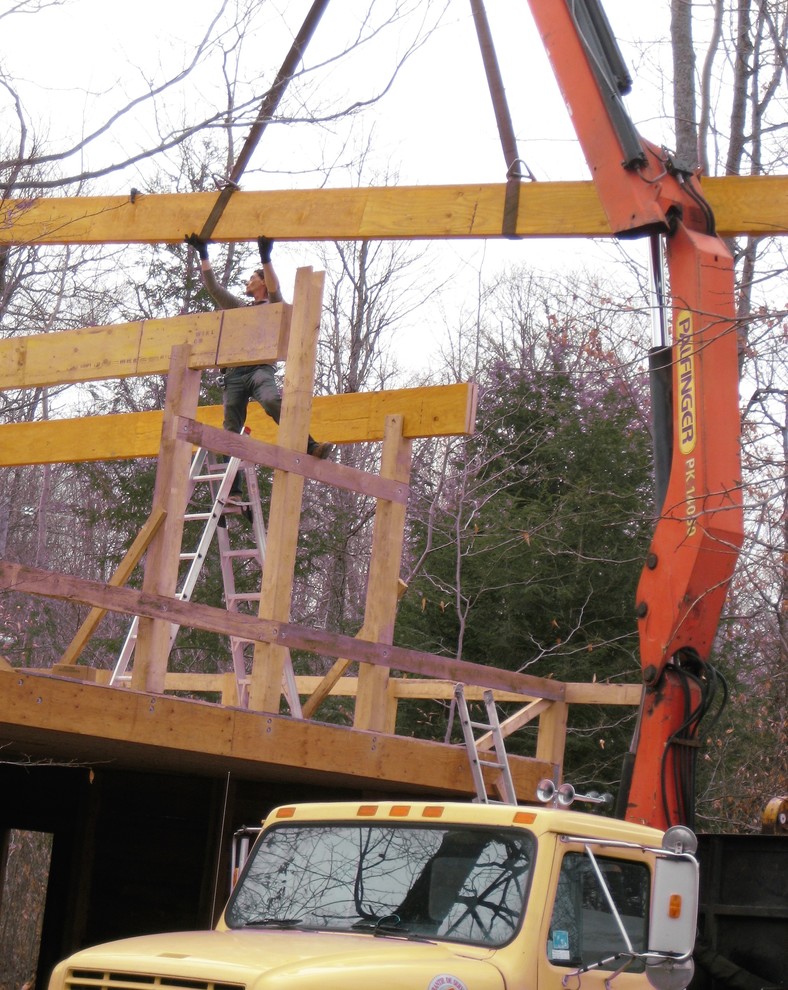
x,y
437,411
129,601
223,338
756,205
598,693
281,458
57,719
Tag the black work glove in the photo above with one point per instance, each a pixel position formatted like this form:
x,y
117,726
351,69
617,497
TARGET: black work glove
x,y
265,244
199,245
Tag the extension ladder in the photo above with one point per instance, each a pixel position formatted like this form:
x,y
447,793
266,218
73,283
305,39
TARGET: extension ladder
x,y
477,748
219,477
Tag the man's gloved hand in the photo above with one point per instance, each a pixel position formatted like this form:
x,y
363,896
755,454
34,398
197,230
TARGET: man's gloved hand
x,y
199,245
265,244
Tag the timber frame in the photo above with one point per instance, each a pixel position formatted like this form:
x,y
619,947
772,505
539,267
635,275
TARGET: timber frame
x,y
38,706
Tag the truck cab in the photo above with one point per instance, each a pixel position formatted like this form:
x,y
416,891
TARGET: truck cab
x,y
430,896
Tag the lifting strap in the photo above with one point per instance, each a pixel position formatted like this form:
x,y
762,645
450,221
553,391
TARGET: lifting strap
x,y
503,118
267,108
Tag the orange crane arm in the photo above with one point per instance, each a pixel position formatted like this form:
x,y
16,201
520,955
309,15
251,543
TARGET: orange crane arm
x,y
699,530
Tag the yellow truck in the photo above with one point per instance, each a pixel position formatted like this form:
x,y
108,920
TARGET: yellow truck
x,y
431,896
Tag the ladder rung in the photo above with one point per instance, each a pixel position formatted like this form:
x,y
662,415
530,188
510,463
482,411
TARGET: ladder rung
x,y
492,764
249,552
197,516
209,477
249,596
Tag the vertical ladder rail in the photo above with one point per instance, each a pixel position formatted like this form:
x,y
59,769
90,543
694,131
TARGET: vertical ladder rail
x,y
225,478
504,781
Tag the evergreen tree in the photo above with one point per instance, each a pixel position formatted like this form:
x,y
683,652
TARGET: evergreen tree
x,y
537,541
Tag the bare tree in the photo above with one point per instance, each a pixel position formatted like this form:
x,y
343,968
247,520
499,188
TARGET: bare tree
x,y
217,62
742,128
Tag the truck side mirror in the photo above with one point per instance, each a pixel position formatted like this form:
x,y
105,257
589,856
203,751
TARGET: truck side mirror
x,y
672,923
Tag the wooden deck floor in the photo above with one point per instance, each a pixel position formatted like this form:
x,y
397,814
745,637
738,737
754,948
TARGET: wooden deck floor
x,y
59,720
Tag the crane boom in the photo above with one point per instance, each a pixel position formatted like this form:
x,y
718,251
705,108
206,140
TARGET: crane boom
x,y
699,529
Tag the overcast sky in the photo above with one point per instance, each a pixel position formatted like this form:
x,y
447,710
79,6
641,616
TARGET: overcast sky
x,y
435,125
76,64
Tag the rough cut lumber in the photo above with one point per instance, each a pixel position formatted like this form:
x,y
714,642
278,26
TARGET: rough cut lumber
x,y
51,584
91,724
599,693
170,494
282,458
551,742
272,658
756,205
380,612
439,411
220,339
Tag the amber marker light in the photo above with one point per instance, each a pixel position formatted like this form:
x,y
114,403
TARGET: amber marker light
x,y
400,810
674,906
432,811
367,810
285,812
524,818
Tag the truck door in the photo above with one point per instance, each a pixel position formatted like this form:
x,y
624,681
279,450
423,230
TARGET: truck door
x,y
597,912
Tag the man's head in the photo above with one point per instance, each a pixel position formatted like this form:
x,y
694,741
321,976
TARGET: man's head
x,y
256,287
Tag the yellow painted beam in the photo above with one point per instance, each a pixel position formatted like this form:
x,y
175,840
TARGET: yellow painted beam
x,y
755,205
443,410
219,339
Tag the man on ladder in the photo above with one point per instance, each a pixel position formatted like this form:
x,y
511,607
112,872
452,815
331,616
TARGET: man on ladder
x,y
251,381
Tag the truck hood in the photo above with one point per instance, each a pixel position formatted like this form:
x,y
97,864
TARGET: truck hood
x,y
264,960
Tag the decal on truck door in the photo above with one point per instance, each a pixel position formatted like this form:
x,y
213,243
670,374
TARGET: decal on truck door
x,y
446,982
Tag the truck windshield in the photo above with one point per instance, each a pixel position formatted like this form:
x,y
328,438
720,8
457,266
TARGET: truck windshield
x,y
451,883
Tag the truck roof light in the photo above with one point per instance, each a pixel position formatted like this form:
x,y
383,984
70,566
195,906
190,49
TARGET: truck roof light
x,y
367,810
432,811
285,812
524,818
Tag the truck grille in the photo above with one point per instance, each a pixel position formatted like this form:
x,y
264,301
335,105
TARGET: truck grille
x,y
95,979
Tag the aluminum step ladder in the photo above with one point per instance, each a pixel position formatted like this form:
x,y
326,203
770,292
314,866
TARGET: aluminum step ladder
x,y
219,477
477,748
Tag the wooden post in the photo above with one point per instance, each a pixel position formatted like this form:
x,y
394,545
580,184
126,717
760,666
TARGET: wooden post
x,y
551,742
265,689
383,582
170,494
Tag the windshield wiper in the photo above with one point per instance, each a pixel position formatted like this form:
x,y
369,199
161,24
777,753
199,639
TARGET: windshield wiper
x,y
271,922
385,925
